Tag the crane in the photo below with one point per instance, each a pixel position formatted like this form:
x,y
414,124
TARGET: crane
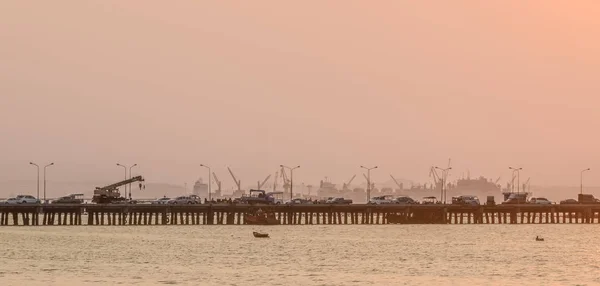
x,y
260,185
436,178
121,183
109,194
218,183
286,181
237,182
346,185
526,184
396,181
275,181
497,180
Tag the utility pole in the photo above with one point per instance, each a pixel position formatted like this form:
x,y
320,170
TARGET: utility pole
x,y
518,170
51,164
130,178
209,182
291,179
581,179
444,177
38,178
368,182
125,168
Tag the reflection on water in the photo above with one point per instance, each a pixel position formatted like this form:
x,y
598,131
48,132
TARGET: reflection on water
x,y
300,255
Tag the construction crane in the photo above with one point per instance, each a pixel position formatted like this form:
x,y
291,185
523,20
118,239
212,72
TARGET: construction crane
x,y
437,180
260,185
526,184
238,183
109,194
275,181
121,183
286,181
497,180
346,185
396,181
218,183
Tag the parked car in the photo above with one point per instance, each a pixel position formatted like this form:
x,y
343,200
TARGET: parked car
x,y
299,202
540,201
324,201
382,200
405,201
23,199
161,201
430,201
569,202
339,201
192,199
516,199
70,199
465,200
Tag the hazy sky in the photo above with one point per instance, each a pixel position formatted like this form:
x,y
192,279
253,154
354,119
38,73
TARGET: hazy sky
x,y
328,85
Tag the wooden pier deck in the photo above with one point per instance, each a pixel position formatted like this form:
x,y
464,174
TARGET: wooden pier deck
x,y
225,214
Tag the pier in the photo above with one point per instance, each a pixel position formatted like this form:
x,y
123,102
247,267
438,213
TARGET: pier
x,y
231,214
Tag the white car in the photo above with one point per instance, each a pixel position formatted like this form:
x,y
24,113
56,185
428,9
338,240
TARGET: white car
x,y
193,199
382,200
161,201
540,201
23,199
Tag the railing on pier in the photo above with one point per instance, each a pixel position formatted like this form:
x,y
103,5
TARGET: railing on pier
x,y
231,214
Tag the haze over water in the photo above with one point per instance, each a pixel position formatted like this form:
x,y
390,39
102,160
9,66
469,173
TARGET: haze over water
x,y
329,86
300,255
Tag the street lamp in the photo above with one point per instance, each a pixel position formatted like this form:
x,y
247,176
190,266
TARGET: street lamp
x,y
291,179
444,176
368,181
581,178
209,182
518,170
130,179
51,164
38,178
125,168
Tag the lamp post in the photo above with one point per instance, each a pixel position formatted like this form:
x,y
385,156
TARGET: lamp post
x,y
581,179
518,170
444,176
51,164
38,178
130,179
125,168
368,182
291,180
209,182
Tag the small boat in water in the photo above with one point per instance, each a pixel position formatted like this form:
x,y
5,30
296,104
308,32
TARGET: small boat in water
x,y
260,235
537,238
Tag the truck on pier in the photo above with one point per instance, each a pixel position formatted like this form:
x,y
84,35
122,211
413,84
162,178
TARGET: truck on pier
x,y
110,194
262,197
587,199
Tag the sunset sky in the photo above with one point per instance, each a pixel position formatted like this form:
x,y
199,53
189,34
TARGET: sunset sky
x,y
328,85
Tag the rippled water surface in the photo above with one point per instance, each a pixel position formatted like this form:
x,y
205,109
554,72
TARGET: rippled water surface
x,y
301,255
